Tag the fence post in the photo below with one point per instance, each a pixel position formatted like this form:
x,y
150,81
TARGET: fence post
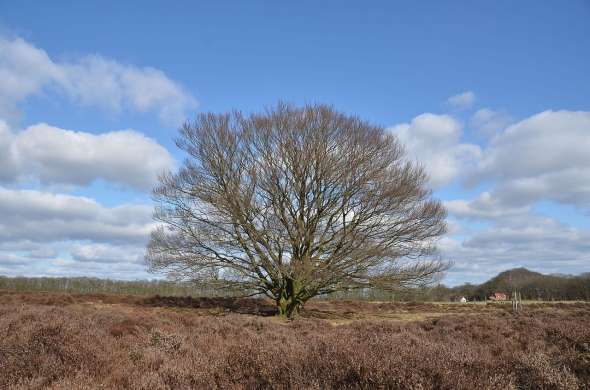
x,y
516,301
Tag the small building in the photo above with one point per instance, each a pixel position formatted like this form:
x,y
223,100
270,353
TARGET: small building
x,y
458,298
498,296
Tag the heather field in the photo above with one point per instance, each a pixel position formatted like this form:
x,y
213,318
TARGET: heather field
x,y
68,341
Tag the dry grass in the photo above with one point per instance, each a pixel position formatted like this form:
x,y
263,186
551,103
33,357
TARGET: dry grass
x,y
64,341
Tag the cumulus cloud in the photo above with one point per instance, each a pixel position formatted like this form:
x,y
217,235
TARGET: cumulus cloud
x,y
73,268
484,206
108,253
73,258
542,157
7,162
462,100
531,241
9,259
435,142
57,156
26,70
44,252
14,265
41,217
487,122
43,233
538,236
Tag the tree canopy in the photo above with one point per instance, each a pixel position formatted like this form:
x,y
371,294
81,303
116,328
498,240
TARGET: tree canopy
x,y
295,202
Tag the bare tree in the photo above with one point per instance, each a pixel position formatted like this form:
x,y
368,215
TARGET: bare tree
x,y
293,203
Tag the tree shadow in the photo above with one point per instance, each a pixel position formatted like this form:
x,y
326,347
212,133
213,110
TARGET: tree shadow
x,y
326,314
252,306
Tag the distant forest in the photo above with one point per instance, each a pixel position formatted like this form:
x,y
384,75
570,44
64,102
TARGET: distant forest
x,y
531,285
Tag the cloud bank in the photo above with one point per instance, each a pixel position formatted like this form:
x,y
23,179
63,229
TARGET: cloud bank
x,y
42,233
496,171
92,80
43,217
435,142
492,170
57,156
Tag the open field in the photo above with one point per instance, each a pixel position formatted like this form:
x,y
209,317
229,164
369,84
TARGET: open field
x,y
75,341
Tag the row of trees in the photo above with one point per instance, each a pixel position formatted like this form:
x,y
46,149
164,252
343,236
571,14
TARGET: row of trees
x,y
84,285
542,287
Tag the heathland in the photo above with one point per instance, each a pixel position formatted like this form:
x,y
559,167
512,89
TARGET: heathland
x,y
86,341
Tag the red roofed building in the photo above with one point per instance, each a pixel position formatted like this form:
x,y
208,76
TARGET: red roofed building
x,y
498,296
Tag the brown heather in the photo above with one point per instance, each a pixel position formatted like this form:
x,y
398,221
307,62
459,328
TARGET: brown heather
x,y
62,341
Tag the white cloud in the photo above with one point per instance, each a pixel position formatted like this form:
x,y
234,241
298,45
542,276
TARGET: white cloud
x,y
112,270
485,206
41,217
26,70
73,258
542,158
57,156
44,252
462,100
16,265
488,122
43,233
7,160
107,253
545,157
543,143
535,242
435,142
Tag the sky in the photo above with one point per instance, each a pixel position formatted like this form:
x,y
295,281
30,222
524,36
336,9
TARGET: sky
x,y
492,98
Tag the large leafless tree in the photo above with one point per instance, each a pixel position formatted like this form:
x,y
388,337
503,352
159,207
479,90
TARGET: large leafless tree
x,y
292,203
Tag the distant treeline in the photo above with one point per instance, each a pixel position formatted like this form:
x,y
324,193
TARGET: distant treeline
x,y
531,285
84,285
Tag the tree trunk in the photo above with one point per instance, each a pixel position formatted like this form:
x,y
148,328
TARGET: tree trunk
x,y
291,298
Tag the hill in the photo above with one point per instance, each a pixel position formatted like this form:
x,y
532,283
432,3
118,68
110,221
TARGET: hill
x,y
532,285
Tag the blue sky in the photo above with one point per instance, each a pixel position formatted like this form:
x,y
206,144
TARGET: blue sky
x,y
493,98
